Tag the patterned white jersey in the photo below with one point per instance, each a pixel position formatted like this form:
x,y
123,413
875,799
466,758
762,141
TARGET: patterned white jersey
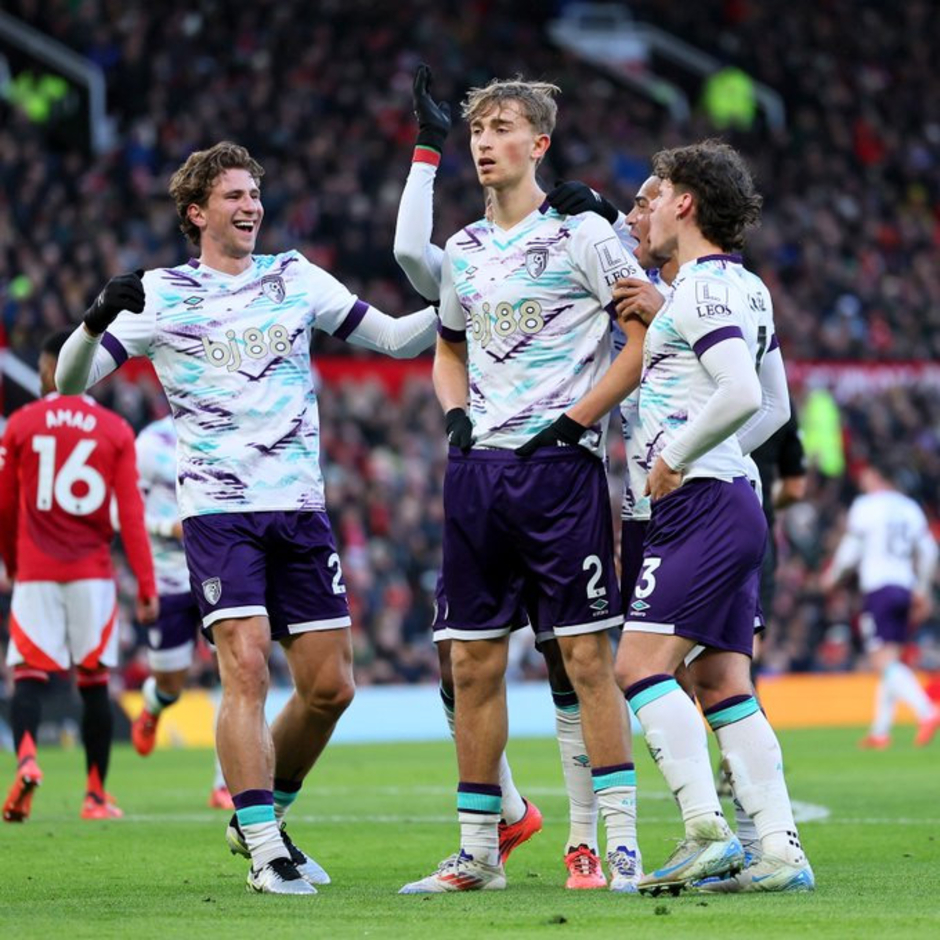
x,y
233,355
885,534
709,303
534,304
636,504
156,466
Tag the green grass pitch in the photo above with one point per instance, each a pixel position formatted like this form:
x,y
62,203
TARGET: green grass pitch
x,y
377,816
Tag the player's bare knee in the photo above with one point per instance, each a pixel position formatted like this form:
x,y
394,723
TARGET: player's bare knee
x,y
245,674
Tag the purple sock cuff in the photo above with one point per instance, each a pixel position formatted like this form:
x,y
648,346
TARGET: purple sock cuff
x,y
489,789
612,769
646,683
253,798
728,703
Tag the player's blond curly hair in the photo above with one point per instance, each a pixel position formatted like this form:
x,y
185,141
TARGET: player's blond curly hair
x,y
535,99
194,180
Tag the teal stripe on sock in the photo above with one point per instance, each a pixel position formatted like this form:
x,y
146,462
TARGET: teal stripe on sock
x,y
253,815
285,799
737,712
652,693
479,803
619,778
568,709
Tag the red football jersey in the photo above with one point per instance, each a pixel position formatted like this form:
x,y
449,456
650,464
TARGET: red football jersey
x,y
62,460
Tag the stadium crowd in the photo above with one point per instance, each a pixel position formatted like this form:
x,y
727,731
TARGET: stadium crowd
x,y
850,232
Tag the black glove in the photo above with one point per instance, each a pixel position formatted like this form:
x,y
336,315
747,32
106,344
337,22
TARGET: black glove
x,y
433,116
563,431
459,429
124,292
574,197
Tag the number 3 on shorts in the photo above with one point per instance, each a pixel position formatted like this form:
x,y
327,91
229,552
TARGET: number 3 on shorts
x,y
646,583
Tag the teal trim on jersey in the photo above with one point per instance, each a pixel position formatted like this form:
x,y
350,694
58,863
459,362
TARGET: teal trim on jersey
x,y
255,815
728,716
285,799
652,693
479,803
619,778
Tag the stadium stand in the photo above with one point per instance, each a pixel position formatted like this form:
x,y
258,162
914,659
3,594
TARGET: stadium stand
x,y
848,243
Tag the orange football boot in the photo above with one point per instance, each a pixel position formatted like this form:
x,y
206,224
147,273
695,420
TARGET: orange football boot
x,y
19,800
144,732
511,836
584,869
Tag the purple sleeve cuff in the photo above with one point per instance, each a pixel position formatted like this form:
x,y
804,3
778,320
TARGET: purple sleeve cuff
x,y
715,337
452,336
114,347
774,343
356,312
611,309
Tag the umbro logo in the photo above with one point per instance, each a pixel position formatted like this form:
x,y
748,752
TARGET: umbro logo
x,y
639,605
193,301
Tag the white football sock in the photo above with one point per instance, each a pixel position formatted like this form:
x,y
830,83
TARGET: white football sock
x,y
618,807
905,687
582,803
676,738
885,706
479,836
753,756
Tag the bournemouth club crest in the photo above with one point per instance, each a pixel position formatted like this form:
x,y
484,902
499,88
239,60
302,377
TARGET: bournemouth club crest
x,y
272,285
536,260
212,589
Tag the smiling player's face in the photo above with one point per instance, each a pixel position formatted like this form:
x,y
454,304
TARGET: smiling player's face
x,y
505,146
230,220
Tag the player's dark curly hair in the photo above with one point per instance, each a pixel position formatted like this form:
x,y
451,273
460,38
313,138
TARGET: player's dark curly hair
x,y
193,181
726,202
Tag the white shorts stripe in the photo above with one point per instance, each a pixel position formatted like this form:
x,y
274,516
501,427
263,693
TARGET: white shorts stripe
x,y
173,659
649,626
233,613
576,629
336,623
494,634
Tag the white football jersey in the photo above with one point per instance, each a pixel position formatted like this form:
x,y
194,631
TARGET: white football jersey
x,y
708,304
233,355
156,466
882,538
636,504
535,305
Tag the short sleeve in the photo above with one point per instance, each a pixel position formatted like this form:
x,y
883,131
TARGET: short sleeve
x,y
600,259
453,322
705,313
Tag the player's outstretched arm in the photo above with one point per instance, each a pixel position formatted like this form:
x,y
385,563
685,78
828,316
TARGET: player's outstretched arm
x,y
399,337
774,411
414,252
82,360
